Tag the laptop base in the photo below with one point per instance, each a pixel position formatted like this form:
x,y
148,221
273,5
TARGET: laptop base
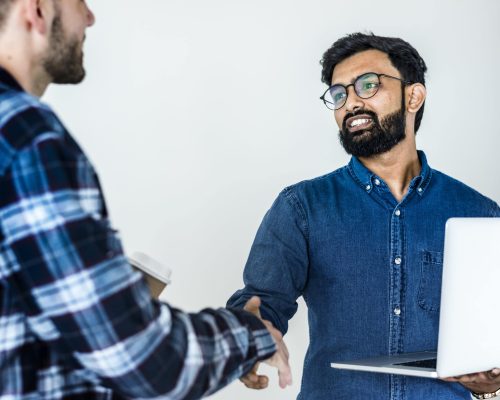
x,y
395,364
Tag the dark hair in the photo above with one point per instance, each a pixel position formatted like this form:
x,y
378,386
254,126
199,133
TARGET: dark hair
x,y
403,56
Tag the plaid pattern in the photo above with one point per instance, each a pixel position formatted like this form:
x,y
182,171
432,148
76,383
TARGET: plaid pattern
x,y
76,322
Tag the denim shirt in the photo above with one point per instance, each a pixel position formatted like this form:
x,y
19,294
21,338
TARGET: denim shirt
x,y
369,269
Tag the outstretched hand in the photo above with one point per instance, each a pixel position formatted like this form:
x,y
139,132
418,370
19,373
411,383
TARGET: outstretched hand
x,y
279,360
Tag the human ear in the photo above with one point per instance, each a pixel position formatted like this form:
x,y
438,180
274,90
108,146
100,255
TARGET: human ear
x,y
37,14
417,95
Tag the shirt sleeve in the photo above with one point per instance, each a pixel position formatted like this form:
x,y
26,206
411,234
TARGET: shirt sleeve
x,y
277,267
82,297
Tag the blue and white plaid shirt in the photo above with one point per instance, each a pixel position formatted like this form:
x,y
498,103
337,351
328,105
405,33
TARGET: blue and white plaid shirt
x,y
76,322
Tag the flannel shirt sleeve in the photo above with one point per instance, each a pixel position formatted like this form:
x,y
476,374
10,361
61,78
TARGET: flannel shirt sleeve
x,y
82,297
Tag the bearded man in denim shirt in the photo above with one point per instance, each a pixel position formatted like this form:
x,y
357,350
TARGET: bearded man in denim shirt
x,y
363,245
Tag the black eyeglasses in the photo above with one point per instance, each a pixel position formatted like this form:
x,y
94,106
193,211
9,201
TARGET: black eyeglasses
x,y
365,86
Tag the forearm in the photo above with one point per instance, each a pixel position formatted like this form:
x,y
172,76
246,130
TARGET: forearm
x,y
183,356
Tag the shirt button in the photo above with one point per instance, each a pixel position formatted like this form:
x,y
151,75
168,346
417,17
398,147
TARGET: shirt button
x,y
397,311
397,260
419,190
398,213
377,182
368,187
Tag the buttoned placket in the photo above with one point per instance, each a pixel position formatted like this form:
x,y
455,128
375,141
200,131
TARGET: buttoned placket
x,y
397,293
396,265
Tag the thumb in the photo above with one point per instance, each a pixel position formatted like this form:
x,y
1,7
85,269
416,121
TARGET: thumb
x,y
253,305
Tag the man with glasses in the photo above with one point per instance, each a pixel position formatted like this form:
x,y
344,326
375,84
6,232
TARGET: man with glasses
x,y
363,245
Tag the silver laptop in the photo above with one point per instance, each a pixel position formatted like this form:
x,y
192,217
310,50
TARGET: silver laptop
x,y
469,324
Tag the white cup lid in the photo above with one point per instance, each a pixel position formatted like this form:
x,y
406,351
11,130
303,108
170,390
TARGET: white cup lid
x,y
150,266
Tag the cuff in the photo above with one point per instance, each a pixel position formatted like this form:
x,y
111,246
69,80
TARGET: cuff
x,y
261,344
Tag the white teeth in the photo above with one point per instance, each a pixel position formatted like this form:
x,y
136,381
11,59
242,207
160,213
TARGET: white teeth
x,y
357,122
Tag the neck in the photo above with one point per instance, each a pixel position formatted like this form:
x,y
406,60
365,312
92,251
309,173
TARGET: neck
x,y
396,167
33,80
22,62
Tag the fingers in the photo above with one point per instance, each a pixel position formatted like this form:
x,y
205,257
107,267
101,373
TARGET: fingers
x,y
285,375
488,377
260,383
480,382
275,332
277,336
253,305
279,360
462,378
494,374
285,349
254,381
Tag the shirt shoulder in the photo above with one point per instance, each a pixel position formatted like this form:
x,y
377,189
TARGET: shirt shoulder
x,y
23,118
317,193
316,190
469,197
319,182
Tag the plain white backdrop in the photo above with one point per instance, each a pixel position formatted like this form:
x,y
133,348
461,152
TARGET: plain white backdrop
x,y
197,113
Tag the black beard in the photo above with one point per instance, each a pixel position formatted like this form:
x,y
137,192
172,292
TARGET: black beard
x,y
64,60
379,138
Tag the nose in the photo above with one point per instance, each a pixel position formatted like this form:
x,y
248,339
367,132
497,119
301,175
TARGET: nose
x,y
353,101
90,17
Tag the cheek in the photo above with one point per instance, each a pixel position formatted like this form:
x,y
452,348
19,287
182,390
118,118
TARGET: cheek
x,y
339,118
387,103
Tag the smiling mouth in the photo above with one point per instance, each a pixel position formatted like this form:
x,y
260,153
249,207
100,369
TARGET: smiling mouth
x,y
359,124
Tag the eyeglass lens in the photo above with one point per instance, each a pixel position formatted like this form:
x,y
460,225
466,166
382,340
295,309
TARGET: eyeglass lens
x,y
365,87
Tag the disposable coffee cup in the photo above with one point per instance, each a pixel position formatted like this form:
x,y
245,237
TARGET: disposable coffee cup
x,y
157,275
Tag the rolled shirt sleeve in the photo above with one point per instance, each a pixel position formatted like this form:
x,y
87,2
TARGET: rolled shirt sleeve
x,y
277,267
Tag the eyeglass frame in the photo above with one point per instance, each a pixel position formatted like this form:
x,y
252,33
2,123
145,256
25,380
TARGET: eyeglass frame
x,y
346,87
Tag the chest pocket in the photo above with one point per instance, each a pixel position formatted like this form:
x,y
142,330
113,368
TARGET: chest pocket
x,y
429,291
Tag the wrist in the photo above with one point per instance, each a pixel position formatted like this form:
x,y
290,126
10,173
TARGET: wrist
x,y
491,395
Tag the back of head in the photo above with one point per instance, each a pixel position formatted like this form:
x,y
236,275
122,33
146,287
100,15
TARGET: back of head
x,y
403,56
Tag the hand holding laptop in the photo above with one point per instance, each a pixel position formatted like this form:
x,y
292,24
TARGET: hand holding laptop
x,y
480,383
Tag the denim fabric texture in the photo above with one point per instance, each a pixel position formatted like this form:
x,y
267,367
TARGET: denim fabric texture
x,y
369,269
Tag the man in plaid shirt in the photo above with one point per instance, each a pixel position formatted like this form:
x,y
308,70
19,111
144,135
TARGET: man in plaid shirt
x,y
76,322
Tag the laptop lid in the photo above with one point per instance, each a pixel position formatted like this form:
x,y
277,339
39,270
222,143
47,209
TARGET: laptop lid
x,y
469,325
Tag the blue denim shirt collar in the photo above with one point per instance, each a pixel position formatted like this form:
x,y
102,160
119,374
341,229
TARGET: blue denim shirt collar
x,y
366,178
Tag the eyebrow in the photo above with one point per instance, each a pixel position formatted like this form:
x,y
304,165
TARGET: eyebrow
x,y
354,79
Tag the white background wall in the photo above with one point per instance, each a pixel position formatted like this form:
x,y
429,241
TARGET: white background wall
x,y
197,113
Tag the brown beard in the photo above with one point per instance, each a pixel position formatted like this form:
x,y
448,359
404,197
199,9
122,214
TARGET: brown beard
x,y
64,59
381,137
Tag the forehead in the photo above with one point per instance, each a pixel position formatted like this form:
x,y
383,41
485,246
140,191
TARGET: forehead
x,y
364,61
